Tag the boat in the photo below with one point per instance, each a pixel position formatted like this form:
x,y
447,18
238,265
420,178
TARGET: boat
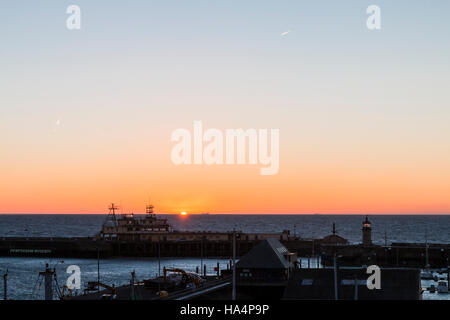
x,y
152,227
443,271
427,274
442,286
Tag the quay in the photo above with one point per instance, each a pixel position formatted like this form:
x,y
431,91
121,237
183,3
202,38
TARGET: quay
x,y
219,245
138,291
270,271
151,236
94,248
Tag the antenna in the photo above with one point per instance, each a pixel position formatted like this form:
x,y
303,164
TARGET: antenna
x,y
112,215
149,210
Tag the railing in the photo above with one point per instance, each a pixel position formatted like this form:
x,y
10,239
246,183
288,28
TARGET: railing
x,y
206,287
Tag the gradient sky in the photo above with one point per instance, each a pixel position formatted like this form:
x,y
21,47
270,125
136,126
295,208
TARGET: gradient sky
x,y
86,116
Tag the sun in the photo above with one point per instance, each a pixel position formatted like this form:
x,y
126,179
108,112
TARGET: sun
x,y
183,213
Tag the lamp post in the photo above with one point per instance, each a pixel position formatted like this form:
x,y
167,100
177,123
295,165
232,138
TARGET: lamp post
x,y
5,286
98,269
201,256
336,296
159,257
445,259
233,293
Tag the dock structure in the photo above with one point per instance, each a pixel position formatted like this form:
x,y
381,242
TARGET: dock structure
x,y
212,287
269,271
128,236
73,247
351,284
92,248
265,270
394,255
416,255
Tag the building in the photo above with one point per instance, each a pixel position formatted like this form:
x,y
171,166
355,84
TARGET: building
x,y
265,270
333,239
319,284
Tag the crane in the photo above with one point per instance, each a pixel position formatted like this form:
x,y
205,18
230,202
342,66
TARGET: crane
x,y
187,277
106,296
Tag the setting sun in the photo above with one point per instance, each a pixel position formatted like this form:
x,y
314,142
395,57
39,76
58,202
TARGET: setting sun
x,y
183,213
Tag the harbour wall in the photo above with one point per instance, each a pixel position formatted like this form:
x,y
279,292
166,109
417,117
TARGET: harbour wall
x,y
396,255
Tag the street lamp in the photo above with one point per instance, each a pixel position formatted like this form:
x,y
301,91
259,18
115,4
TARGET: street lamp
x,y
233,293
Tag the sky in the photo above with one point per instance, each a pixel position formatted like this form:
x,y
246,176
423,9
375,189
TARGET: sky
x,y
86,116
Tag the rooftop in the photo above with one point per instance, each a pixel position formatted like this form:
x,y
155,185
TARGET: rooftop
x,y
268,254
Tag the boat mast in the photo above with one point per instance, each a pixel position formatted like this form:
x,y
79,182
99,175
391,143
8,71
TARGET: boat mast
x,y
111,215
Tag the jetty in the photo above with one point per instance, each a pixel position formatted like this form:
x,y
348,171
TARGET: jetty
x,y
151,236
270,271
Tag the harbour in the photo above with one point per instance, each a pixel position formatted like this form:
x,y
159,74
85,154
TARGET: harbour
x,y
151,235
134,242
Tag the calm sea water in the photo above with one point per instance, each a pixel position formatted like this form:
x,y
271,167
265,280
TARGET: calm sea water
x,y
23,272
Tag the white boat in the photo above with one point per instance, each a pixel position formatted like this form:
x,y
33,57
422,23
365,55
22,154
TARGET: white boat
x,y
442,287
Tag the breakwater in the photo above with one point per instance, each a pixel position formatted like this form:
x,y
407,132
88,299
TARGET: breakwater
x,y
396,254
93,247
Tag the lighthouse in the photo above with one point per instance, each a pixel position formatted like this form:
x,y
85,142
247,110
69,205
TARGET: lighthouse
x,y
366,233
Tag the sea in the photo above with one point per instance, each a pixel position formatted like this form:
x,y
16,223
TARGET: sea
x,y
23,273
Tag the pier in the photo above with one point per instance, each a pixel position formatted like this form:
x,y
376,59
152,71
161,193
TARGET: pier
x,y
394,255
133,237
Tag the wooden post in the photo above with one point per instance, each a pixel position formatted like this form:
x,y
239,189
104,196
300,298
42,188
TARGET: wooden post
x,y
5,286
